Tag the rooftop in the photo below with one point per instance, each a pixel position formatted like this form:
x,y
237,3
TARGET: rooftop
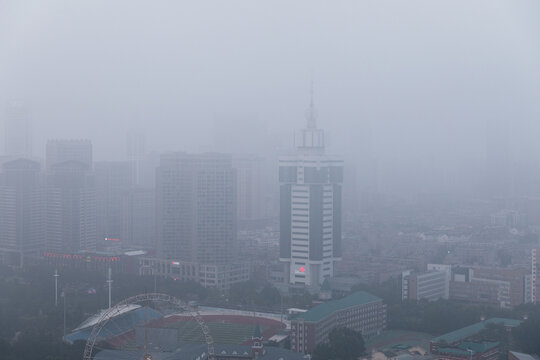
x,y
199,352
468,331
465,348
321,311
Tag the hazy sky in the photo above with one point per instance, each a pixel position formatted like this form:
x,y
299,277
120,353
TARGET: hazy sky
x,y
399,79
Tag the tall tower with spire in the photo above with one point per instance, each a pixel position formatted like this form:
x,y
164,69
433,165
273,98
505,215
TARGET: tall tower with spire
x,y
310,207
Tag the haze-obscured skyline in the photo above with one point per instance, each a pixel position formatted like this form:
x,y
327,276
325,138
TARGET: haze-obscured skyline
x,y
413,81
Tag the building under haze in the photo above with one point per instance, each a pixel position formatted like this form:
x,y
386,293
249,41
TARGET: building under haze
x,y
71,208
113,181
535,274
60,150
17,130
21,212
310,208
139,218
196,217
253,203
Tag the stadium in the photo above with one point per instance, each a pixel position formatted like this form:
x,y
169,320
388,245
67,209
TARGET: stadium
x,y
133,331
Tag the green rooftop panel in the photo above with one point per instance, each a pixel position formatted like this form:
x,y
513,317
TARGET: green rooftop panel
x,y
321,311
473,329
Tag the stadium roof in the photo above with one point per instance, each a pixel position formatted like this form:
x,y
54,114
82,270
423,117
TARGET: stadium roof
x,y
522,356
117,325
468,331
92,320
199,351
321,311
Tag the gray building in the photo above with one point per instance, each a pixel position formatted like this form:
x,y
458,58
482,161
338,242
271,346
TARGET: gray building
x,y
17,130
253,201
196,214
21,211
310,208
113,181
139,221
431,285
61,150
71,208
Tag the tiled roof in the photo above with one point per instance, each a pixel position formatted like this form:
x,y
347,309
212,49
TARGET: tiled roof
x,y
321,311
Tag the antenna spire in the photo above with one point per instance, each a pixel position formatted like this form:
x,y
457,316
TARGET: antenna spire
x,y
311,113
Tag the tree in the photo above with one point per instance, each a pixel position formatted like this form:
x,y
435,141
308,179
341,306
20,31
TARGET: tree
x,y
343,344
323,352
526,335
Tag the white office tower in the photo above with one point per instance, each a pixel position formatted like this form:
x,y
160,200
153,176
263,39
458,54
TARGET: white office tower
x,y
310,208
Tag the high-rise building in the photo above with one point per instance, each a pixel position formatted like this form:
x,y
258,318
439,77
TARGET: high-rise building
x,y
17,130
136,152
252,198
113,181
58,151
196,207
71,208
139,221
535,276
21,211
196,215
310,208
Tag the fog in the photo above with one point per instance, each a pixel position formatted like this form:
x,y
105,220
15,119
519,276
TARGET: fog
x,y
415,95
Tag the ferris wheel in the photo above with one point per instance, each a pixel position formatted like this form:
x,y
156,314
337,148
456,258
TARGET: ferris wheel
x,y
155,300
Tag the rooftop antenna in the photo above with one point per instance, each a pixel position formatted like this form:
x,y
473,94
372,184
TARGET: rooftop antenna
x,y
311,114
109,281
56,287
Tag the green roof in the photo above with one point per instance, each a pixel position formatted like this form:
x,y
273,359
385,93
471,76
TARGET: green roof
x,y
463,348
462,334
319,312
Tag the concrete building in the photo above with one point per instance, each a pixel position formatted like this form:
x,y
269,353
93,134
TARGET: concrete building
x,y
310,209
139,218
447,269
431,285
360,311
136,152
61,150
535,276
71,208
17,130
196,214
501,287
21,212
251,185
463,344
113,180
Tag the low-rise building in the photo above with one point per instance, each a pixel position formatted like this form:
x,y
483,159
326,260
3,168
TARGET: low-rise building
x,y
360,311
462,344
430,285
219,276
502,287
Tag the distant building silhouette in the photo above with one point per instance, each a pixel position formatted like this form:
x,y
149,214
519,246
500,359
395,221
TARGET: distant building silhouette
x,y
139,218
61,150
113,181
21,211
196,216
71,208
17,130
